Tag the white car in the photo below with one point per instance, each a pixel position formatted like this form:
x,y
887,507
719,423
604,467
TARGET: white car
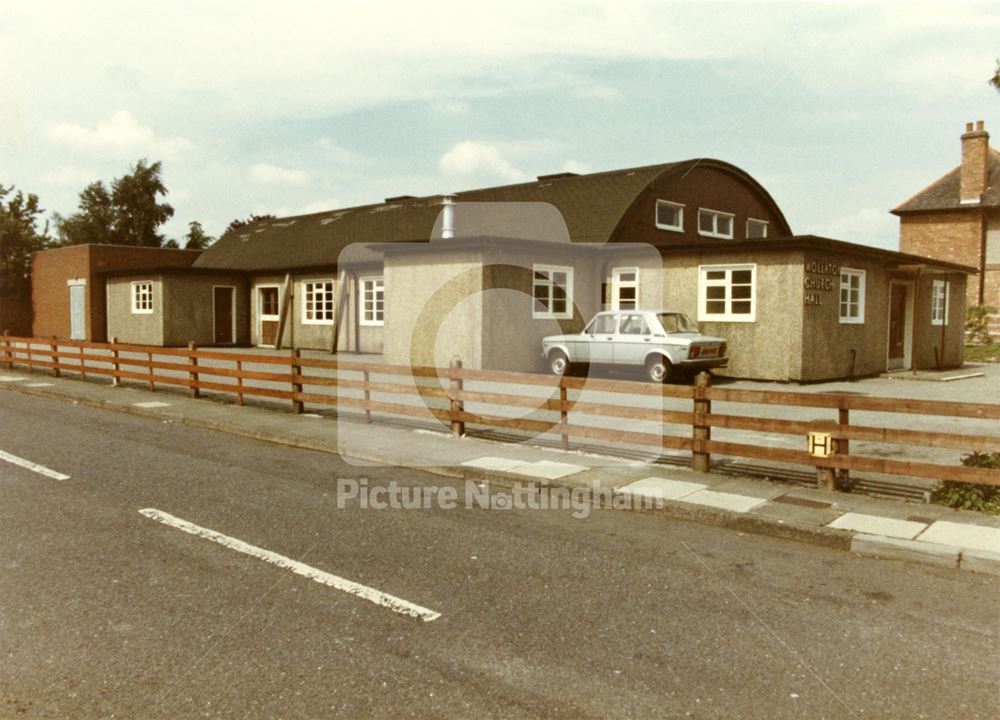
x,y
660,341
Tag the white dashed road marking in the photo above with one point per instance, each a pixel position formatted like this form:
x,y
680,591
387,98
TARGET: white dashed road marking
x,y
34,467
403,607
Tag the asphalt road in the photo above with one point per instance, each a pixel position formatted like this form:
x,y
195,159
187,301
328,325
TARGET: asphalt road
x,y
105,612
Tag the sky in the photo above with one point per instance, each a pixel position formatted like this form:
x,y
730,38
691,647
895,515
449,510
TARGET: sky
x,y
840,110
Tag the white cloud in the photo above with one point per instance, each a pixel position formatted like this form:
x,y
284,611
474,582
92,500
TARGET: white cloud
x,y
866,227
70,176
339,154
470,158
121,130
318,206
597,91
267,174
574,166
451,107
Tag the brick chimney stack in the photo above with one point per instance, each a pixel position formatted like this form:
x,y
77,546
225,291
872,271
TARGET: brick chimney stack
x,y
975,152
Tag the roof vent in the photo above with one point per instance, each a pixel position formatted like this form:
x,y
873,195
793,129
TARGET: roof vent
x,y
558,176
397,198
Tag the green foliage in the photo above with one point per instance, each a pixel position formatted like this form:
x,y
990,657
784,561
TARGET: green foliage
x,y
983,353
237,224
197,238
19,238
130,214
995,80
967,496
976,323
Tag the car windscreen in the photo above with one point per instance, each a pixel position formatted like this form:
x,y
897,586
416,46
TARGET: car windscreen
x,y
677,323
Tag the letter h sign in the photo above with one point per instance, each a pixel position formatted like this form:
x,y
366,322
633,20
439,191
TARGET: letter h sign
x,y
821,444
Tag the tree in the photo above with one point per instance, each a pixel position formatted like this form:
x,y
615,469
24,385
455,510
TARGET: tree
x,y
19,238
995,80
197,238
237,224
130,214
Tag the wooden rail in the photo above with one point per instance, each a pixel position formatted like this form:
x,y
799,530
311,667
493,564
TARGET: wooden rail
x,y
667,417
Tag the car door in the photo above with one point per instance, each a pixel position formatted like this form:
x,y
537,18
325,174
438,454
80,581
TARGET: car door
x,y
632,341
601,339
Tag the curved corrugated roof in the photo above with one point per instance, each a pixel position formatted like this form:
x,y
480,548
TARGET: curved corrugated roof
x,y
592,206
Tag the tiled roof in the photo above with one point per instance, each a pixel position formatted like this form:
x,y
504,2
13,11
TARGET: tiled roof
x,y
943,194
592,206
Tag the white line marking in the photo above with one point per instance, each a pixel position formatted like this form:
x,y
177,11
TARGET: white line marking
x,y
34,467
378,597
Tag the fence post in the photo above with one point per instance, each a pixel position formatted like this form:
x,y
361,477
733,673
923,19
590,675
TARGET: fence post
x,y
152,383
27,346
701,461
563,412
115,365
843,446
193,374
366,378
457,404
83,363
8,352
239,382
297,405
55,358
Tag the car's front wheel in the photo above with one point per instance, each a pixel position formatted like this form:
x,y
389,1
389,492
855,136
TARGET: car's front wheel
x,y
558,362
659,369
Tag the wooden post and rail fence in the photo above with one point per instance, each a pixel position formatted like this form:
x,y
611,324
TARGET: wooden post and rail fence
x,y
665,417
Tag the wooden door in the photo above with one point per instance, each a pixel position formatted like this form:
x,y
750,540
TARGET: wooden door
x,y
224,319
897,326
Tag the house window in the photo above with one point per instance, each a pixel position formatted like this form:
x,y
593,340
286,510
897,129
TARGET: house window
x,y
756,229
669,216
852,296
714,223
372,290
727,292
317,306
625,289
940,289
552,290
142,298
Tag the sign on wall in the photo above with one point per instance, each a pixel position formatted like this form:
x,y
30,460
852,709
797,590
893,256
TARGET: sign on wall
x,y
821,279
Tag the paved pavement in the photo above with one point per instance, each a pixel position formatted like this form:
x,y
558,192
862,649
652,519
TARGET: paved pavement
x,y
162,570
866,525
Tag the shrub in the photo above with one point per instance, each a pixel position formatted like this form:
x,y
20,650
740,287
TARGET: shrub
x,y
977,322
968,496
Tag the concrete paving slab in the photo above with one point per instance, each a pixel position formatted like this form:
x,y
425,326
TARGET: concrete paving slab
x,y
970,537
152,404
495,463
980,561
724,501
38,385
878,525
661,488
11,378
549,470
880,546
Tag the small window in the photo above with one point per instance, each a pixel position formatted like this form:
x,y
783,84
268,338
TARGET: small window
x,y
756,229
372,292
669,216
317,302
727,292
142,298
852,296
625,289
552,290
715,224
940,290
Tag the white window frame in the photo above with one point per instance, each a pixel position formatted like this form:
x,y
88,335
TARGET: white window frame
x,y
376,317
310,316
940,299
617,284
142,297
763,223
857,318
716,214
679,227
538,314
727,282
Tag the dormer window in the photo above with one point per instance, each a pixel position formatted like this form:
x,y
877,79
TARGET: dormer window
x,y
669,216
756,229
714,223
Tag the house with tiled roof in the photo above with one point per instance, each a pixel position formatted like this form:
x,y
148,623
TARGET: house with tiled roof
x,y
957,217
483,275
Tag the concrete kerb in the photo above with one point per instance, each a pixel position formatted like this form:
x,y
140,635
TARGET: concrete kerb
x,y
866,545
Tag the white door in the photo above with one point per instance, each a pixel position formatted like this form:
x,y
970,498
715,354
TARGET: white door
x,y
78,312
